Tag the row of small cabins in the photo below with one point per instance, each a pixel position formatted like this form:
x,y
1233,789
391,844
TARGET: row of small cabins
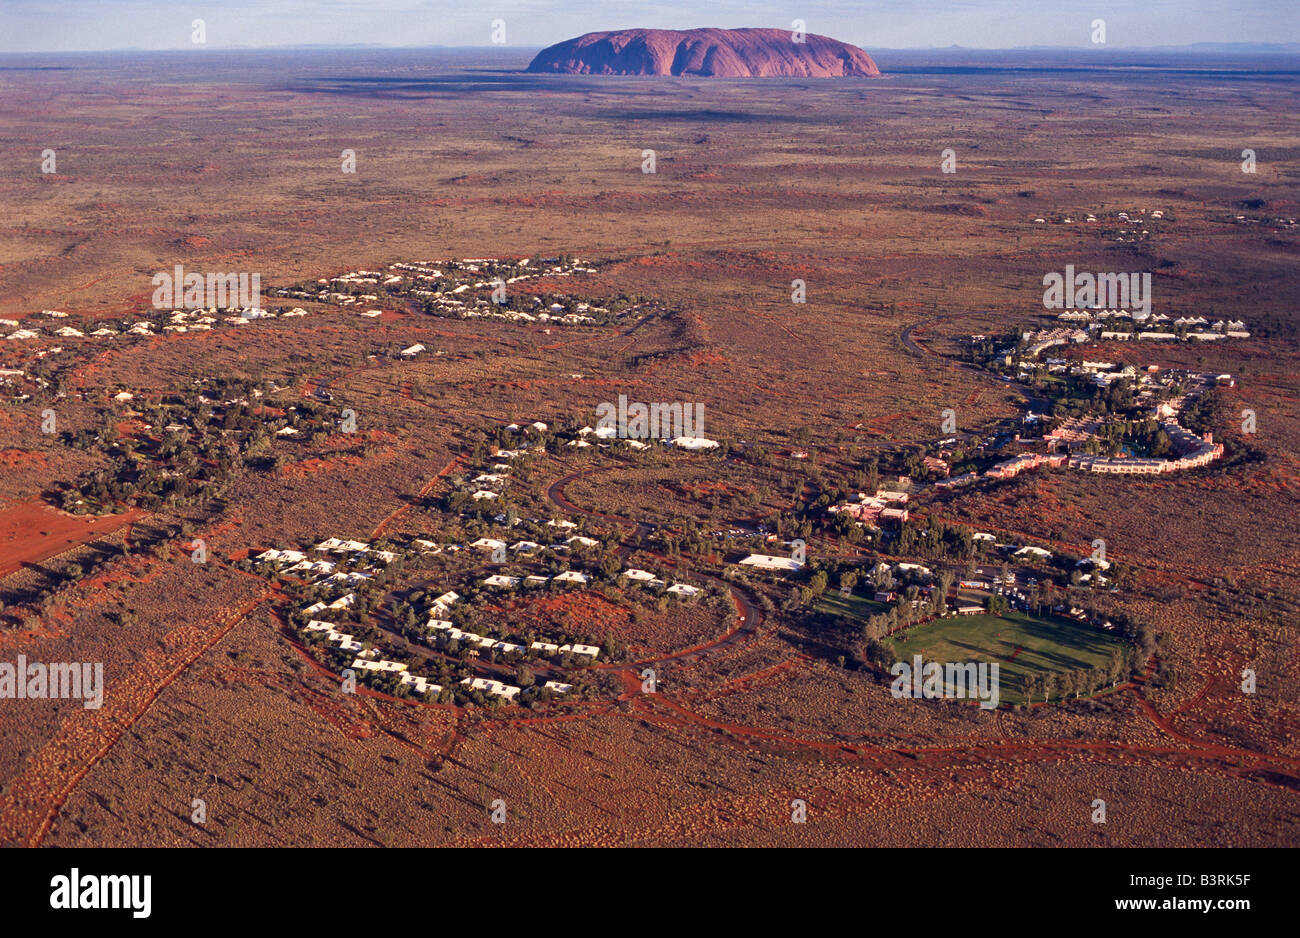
x,y
577,578
500,470
416,278
444,628
498,548
433,271
369,660
1043,339
1190,328
296,561
441,607
1150,335
1119,216
498,478
611,433
200,320
495,546
490,484
300,562
366,659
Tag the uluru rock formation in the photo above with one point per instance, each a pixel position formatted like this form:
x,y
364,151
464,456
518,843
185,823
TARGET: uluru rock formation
x,y
716,53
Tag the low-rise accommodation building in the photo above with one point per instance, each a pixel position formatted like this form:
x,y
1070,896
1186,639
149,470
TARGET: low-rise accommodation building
x,y
769,562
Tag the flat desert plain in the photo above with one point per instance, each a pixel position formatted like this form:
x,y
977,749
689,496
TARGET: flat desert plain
x,y
224,722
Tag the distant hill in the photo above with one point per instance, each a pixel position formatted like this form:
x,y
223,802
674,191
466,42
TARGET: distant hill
x,y
713,53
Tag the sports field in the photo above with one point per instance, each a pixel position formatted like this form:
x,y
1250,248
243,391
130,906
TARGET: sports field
x,y
1024,646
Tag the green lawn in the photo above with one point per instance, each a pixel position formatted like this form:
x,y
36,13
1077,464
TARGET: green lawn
x,y
1022,645
854,606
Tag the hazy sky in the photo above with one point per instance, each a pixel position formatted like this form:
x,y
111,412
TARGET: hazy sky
x,y
71,25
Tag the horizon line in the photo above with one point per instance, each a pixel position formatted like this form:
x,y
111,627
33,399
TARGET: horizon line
x,y
1257,47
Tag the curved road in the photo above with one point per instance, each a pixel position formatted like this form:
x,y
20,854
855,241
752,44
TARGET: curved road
x,y
748,614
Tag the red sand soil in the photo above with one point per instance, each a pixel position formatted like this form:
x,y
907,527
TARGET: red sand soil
x,y
21,457
34,531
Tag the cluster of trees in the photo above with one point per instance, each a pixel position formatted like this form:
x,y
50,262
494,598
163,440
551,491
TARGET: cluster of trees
x,y
934,539
1208,412
916,600
1081,682
144,540
989,350
1145,433
180,467
902,613
1080,397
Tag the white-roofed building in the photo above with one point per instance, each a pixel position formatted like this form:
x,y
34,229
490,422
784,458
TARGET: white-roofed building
x,y
693,442
769,562
420,685
489,686
370,664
